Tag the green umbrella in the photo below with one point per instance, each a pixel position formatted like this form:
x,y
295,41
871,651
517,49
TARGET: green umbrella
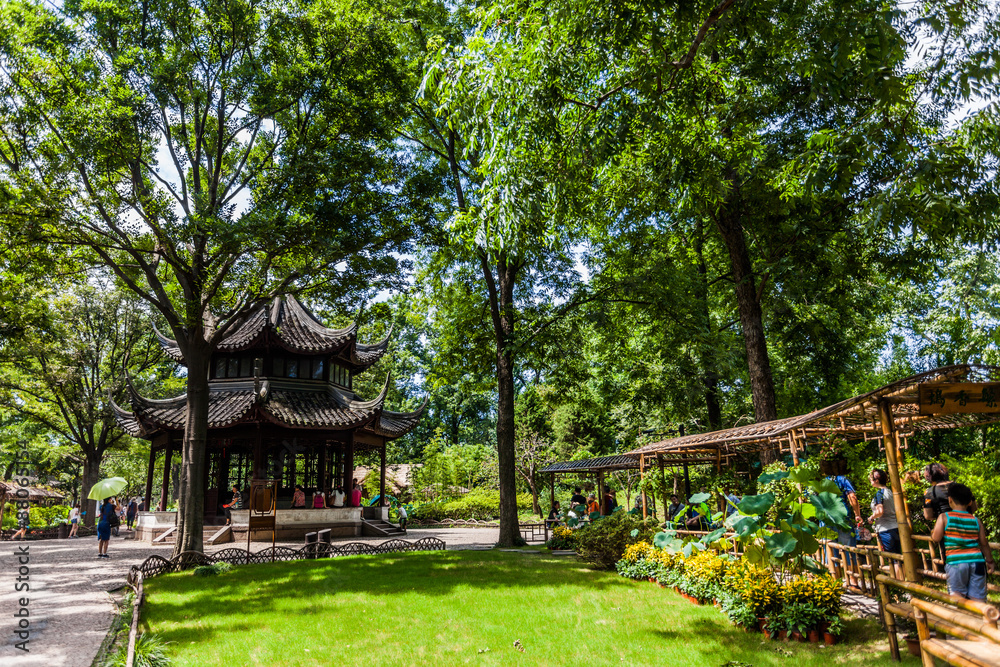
x,y
107,488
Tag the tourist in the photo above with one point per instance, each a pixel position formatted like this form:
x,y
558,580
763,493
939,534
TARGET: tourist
x,y
21,533
338,496
968,557
848,538
133,510
116,517
356,494
732,500
674,509
883,518
298,498
318,500
234,503
105,515
74,520
577,498
936,497
592,505
555,516
402,517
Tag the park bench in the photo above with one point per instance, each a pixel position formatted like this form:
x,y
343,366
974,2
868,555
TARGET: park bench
x,y
971,624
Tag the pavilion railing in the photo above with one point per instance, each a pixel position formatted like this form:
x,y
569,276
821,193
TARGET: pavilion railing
x,y
156,565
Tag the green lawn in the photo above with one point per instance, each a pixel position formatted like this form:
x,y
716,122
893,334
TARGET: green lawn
x,y
460,607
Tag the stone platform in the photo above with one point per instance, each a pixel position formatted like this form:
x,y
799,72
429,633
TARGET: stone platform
x,y
291,524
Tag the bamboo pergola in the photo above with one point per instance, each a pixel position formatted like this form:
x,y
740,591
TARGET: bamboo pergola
x,y
943,398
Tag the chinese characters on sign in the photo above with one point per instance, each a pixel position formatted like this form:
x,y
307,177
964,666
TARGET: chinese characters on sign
x,y
937,398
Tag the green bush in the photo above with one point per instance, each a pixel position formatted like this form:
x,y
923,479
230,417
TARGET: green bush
x,y
479,504
38,517
150,651
604,541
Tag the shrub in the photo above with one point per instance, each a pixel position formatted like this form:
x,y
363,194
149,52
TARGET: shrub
x,y
479,504
211,570
604,541
562,538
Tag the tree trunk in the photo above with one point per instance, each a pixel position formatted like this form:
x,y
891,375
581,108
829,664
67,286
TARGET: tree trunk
x,y
501,292
730,226
191,502
91,475
710,377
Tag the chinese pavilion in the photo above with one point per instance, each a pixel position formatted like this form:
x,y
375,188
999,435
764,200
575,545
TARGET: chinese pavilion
x,y
281,406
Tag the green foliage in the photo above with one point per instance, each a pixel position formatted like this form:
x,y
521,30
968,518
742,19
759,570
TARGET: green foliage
x,y
448,470
603,542
479,504
43,517
212,570
150,651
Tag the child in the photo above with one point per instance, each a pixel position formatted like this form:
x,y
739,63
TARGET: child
x,y
967,553
402,517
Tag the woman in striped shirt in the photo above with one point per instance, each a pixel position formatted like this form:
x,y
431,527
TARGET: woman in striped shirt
x,y
968,557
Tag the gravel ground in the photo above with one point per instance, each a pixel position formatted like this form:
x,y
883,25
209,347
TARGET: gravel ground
x,y
70,608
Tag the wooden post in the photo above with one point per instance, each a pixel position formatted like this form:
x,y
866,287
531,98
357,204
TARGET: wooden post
x,y
666,498
258,457
148,498
552,492
642,477
166,474
687,480
323,456
381,481
889,619
349,469
600,493
793,445
891,441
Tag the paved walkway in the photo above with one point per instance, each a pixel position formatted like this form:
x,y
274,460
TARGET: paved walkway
x,y
69,607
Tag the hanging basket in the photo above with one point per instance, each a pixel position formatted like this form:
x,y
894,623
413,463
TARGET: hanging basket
x,y
833,467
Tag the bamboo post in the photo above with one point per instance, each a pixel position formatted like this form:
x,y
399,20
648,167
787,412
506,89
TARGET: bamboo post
x,y
793,445
889,619
642,477
666,499
923,633
891,440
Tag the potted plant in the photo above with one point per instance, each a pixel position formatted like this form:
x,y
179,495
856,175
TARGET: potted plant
x,y
832,456
832,629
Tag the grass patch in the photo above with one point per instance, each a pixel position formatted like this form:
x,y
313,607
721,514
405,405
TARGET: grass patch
x,y
460,607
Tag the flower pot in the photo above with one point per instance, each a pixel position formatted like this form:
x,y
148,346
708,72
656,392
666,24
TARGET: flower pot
x,y
767,633
796,636
814,636
783,634
652,580
762,623
829,639
913,644
833,467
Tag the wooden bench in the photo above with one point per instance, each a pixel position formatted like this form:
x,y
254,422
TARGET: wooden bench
x,y
973,624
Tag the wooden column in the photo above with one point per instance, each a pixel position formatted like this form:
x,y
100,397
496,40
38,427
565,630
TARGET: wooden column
x,y
600,492
642,476
687,480
793,445
166,474
381,481
258,457
349,467
666,496
148,498
552,491
891,441
321,481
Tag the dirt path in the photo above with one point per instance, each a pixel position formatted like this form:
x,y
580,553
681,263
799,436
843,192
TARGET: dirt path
x,y
69,608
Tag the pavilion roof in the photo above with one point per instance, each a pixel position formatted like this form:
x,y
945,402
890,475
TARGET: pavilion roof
x,y
855,417
601,463
285,323
287,403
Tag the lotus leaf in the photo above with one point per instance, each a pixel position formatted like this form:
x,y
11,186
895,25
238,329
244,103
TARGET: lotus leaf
x,y
759,504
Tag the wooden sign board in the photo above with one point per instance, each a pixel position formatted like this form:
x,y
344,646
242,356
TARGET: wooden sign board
x,y
945,398
262,522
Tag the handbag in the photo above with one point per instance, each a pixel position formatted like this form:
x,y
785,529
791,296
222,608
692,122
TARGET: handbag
x,y
864,535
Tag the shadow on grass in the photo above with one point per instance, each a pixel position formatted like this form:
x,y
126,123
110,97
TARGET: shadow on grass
x,y
263,589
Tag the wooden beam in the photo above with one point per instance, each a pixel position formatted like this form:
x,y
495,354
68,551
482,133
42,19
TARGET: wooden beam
x,y
666,496
911,563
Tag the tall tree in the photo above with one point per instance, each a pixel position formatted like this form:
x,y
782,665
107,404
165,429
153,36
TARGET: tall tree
x,y
60,374
212,154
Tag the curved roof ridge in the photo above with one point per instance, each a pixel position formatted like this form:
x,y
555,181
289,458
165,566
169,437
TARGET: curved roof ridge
x,y
409,415
380,345
375,403
169,345
310,321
